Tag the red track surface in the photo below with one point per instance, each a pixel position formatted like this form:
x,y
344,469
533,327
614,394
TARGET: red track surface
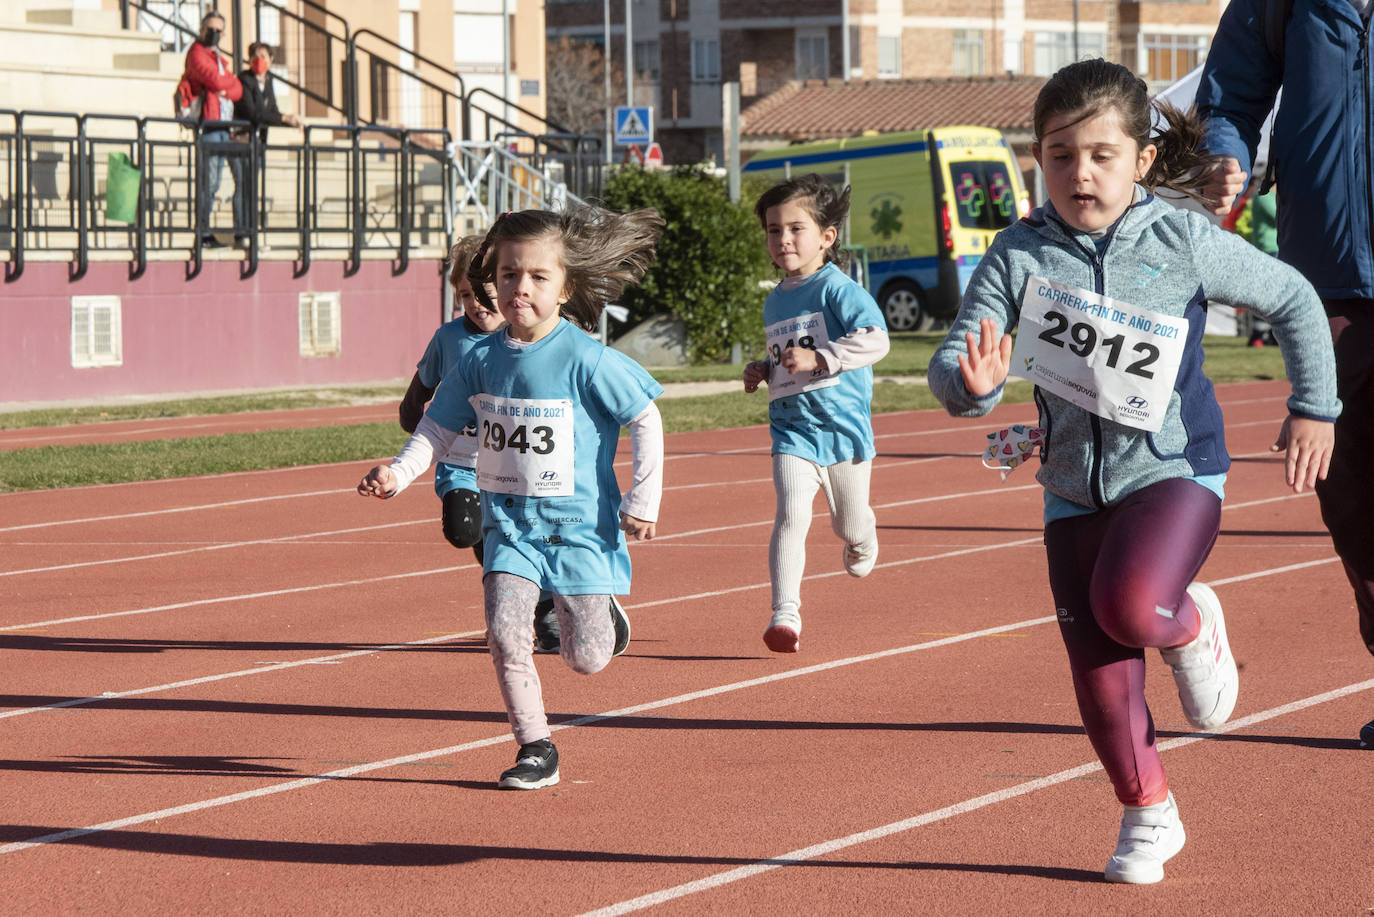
x,y
259,693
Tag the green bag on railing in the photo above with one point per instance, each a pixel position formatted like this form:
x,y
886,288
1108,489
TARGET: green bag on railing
x,y
122,181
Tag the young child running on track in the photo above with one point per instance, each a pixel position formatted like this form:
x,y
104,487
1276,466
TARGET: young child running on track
x,y
1109,286
548,402
824,333
455,475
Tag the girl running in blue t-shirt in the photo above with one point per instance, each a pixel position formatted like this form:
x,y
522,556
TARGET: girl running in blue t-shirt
x,y
824,333
548,401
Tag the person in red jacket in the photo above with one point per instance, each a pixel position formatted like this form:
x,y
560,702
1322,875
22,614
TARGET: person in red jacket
x,y
214,82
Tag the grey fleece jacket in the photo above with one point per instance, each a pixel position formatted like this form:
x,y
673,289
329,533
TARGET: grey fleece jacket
x,y
1156,257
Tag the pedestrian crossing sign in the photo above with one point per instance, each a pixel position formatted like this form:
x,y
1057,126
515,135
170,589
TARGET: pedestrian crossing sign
x,y
634,124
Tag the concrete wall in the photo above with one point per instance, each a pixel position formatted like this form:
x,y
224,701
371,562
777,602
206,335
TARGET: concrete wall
x,y
214,332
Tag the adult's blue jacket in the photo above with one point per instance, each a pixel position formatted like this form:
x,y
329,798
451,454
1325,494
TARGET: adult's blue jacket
x,y
1321,142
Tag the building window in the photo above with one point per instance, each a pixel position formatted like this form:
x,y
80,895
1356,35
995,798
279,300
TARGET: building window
x,y
705,60
1170,57
968,52
97,338
646,60
319,324
1055,49
889,55
813,56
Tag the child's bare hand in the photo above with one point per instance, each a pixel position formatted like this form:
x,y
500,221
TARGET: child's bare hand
x,y
637,529
379,482
755,374
988,360
799,360
1307,445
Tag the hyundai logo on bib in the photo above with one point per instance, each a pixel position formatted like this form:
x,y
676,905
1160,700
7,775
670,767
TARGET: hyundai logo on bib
x,y
549,476
1137,402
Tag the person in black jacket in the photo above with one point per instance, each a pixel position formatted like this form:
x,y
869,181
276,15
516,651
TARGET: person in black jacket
x,y
257,105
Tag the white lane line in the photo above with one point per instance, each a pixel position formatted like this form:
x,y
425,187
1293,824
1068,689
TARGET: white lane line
x,y
242,597
675,535
815,576
223,546
796,857
258,669
503,737
173,510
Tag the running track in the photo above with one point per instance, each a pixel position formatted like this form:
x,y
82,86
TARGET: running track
x,y
260,693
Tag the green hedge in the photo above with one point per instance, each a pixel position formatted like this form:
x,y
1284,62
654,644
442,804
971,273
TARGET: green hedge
x,y
710,260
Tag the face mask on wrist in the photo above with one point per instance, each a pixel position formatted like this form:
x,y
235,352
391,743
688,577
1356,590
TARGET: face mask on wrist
x,y
260,65
212,37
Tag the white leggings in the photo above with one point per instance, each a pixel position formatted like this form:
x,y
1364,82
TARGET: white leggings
x,y
796,481
587,641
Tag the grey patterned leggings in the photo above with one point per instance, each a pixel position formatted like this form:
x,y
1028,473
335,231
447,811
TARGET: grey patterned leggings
x,y
588,638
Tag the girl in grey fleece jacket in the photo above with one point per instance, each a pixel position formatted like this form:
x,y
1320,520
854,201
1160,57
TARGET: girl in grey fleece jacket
x,y
1109,286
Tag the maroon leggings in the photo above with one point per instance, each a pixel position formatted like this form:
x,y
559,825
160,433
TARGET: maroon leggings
x,y
1118,577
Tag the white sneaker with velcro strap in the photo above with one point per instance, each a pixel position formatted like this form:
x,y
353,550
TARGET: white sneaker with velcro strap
x,y
1149,836
1204,670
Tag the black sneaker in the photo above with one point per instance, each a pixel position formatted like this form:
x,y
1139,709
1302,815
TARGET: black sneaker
x,y
210,242
547,635
1367,735
536,765
621,622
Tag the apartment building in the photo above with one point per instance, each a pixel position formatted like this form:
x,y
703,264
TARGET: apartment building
x,y
682,50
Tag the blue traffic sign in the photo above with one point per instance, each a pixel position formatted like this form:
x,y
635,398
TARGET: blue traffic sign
x,y
634,124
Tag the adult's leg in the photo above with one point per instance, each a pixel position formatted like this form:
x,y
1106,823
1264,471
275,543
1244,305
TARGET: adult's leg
x,y
211,142
1347,494
1118,577
510,640
238,168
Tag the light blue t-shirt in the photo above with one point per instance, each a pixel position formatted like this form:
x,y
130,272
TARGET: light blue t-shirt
x,y
571,545
448,345
831,424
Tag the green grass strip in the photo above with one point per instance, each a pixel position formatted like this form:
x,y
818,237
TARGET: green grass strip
x,y
48,467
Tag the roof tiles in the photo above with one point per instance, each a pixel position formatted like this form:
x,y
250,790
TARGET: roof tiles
x,y
817,109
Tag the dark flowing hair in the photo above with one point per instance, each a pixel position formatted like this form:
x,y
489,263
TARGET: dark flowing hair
x,y
827,207
1085,89
603,252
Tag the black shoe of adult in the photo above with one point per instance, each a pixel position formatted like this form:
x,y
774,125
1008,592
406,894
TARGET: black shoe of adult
x,y
536,765
1367,735
547,636
621,622
210,242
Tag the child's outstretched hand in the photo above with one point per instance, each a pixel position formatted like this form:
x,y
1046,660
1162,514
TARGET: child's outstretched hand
x,y
379,482
755,374
1307,445
988,360
637,529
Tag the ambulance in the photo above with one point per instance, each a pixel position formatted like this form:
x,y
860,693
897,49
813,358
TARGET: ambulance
x,y
923,208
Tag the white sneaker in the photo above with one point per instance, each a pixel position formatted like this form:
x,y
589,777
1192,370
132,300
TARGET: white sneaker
x,y
859,559
784,631
1204,670
1149,836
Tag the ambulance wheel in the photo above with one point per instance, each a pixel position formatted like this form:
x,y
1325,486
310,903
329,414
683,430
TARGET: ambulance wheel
x,y
903,305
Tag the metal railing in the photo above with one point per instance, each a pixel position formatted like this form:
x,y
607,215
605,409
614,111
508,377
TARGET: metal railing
x,y
381,82
341,190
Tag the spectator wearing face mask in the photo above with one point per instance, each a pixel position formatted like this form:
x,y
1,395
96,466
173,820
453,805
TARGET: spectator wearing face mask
x,y
212,80
257,105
